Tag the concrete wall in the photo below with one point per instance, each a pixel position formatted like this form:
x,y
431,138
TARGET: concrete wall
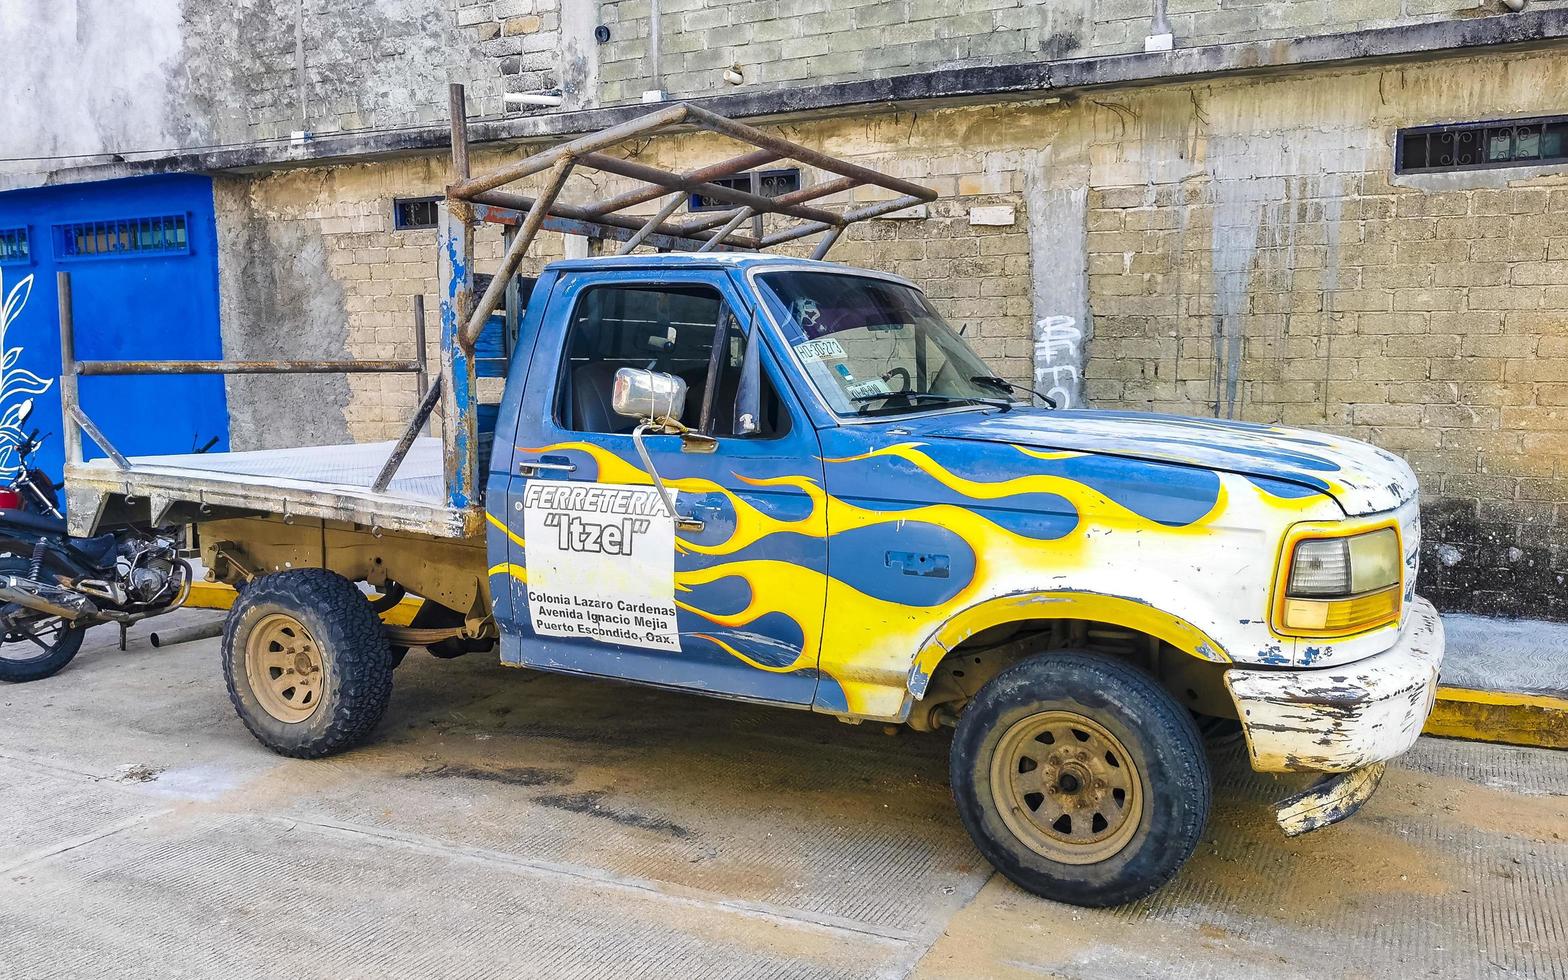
x,y
795,42
103,76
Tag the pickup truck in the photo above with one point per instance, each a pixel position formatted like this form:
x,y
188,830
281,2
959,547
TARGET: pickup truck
x,y
789,481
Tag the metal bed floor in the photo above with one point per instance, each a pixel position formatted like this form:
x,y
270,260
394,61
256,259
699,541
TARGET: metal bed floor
x,y
349,468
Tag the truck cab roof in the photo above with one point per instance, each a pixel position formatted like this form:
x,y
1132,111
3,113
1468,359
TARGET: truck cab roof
x,y
685,260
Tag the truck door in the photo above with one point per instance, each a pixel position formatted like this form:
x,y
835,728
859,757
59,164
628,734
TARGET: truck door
x,y
601,579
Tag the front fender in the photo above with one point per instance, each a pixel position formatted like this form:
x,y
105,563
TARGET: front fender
x,y
1133,614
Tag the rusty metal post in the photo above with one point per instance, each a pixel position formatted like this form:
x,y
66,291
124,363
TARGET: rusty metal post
x,y
98,437
427,404
806,155
827,242
653,175
422,379
459,386
514,255
702,175
756,190
71,431
544,160
723,233
90,368
457,102
658,219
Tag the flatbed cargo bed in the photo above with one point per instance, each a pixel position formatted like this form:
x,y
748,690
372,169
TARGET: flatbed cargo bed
x,y
326,482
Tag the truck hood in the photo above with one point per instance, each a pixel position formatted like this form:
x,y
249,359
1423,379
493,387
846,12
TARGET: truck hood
x,y
1361,478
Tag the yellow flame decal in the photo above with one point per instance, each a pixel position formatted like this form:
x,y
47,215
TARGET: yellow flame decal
x,y
869,646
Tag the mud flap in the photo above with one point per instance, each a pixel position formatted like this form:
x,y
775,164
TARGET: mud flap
x,y
1328,801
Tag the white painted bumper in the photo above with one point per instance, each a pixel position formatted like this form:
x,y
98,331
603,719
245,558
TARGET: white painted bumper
x,y
1338,719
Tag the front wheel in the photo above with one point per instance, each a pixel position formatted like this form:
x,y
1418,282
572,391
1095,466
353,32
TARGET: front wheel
x,y
306,662
1080,779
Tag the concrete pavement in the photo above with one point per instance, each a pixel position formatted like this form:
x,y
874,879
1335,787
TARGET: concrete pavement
x,y
516,824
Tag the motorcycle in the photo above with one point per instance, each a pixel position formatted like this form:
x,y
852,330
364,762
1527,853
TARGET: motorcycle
x,y
53,586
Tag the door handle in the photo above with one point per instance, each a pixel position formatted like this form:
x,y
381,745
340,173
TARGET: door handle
x,y
692,524
532,467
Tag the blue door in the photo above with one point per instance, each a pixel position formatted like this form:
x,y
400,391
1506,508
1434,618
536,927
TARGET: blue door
x,y
600,579
142,254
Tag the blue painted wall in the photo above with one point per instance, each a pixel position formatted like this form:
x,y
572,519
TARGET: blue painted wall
x,y
140,304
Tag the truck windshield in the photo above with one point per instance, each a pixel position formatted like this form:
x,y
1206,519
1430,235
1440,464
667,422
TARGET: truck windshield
x,y
872,346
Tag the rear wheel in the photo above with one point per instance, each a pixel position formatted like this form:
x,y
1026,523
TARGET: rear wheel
x,y
306,662
32,646
1080,779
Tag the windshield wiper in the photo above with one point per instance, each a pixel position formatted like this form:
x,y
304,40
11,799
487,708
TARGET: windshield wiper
x,y
1002,384
1005,406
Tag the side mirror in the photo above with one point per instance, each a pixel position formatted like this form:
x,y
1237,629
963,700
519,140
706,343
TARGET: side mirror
x,y
748,393
643,394
24,412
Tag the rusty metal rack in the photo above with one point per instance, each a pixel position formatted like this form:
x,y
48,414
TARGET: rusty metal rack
x,y
484,198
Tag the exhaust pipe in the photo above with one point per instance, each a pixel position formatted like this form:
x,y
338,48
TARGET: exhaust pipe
x,y
48,599
185,634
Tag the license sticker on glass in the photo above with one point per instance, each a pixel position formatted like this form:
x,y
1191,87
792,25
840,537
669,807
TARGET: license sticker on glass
x,y
826,349
869,388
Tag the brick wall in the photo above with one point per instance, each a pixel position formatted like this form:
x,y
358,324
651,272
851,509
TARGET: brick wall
x,y
791,42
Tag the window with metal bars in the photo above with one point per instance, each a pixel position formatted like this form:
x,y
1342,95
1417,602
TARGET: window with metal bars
x,y
15,246
410,213
1476,146
771,183
164,234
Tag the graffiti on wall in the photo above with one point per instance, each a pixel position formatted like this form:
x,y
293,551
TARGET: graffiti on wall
x,y
17,384
1058,360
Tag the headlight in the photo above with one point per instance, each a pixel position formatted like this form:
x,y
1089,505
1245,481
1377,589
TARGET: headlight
x,y
1342,585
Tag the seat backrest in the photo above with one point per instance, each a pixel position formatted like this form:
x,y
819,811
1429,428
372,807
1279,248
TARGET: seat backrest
x,y
593,389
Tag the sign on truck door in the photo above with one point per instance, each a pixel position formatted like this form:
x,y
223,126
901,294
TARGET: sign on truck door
x,y
602,581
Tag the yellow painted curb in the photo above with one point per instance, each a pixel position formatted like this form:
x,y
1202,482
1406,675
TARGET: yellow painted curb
x,y
1538,720
215,595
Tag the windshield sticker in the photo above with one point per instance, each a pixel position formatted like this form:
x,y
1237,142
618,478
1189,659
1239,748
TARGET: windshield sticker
x,y
869,388
820,350
601,563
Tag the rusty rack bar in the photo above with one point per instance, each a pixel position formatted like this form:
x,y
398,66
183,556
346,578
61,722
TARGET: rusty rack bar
x,y
77,420
472,199
475,198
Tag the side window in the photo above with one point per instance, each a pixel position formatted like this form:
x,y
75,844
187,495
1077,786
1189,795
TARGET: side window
x,y
664,328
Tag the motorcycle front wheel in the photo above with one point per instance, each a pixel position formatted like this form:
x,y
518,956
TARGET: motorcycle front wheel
x,y
37,647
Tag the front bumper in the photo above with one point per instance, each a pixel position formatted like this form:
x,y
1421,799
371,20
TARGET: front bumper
x,y
1341,719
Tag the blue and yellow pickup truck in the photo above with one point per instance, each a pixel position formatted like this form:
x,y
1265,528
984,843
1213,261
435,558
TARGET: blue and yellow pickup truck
x,y
791,482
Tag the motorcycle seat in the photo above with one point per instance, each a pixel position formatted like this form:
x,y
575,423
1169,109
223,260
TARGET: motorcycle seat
x,y
99,551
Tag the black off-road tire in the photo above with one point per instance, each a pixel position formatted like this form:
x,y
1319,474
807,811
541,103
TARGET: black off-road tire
x,y
356,662
1162,744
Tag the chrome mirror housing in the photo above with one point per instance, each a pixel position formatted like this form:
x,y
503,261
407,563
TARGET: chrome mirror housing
x,y
641,393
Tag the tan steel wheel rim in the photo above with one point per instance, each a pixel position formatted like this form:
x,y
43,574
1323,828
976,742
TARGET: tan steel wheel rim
x,y
1066,787
285,669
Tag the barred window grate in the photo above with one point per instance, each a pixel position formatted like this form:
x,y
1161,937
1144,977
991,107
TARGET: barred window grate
x,y
412,213
15,246
1475,146
772,183
87,239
